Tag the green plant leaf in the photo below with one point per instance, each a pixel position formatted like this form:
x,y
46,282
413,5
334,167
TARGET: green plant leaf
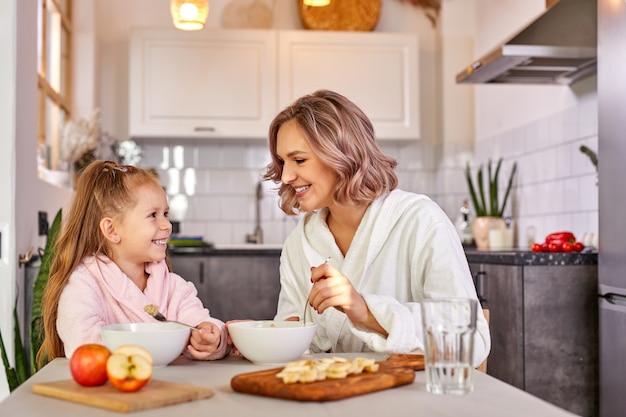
x,y
493,189
40,284
508,188
593,157
481,190
10,372
21,363
472,190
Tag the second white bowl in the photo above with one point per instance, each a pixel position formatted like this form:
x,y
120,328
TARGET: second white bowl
x,y
268,342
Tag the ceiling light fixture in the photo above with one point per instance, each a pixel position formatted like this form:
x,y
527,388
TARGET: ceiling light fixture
x,y
189,14
316,3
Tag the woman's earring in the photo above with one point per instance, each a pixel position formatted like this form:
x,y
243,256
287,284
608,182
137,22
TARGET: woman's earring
x,y
116,239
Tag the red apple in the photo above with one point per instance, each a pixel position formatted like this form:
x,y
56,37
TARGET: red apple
x,y
88,364
129,368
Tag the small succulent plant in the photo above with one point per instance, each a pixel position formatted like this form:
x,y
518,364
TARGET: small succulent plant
x,y
483,206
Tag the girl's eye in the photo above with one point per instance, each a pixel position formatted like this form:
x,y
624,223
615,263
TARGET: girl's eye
x,y
166,214
299,161
153,214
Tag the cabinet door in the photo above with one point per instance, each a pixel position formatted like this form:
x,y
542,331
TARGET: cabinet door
x,y
243,287
500,290
205,84
233,287
193,269
561,336
378,71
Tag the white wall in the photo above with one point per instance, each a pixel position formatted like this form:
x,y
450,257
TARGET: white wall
x,y
7,169
24,194
541,128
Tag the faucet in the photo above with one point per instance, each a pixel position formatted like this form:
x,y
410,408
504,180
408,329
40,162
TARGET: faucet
x,y
257,237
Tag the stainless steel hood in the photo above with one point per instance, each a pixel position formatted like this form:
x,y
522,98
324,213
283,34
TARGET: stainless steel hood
x,y
559,47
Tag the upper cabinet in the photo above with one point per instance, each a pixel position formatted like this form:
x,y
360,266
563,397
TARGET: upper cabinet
x,y
205,84
378,71
231,83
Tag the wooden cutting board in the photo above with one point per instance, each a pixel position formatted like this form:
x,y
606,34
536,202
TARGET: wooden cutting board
x,y
395,371
155,394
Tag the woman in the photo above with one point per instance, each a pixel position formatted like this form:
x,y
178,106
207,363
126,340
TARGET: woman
x,y
386,249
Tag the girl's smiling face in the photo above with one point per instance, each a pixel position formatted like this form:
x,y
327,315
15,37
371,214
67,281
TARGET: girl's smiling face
x,y
312,180
144,229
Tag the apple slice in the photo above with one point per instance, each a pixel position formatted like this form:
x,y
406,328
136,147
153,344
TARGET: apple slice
x,y
129,372
135,350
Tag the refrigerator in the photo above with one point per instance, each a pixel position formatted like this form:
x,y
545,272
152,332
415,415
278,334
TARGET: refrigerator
x,y
612,205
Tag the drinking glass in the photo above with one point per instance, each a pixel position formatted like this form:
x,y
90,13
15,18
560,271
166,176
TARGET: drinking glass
x,y
449,327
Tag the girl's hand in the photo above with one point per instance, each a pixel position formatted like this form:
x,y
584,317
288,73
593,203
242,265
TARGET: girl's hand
x,y
203,342
233,349
332,289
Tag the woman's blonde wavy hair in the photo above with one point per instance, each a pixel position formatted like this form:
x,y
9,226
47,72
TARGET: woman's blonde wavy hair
x,y
104,189
342,136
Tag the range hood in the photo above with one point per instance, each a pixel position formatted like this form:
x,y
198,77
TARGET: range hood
x,y
559,47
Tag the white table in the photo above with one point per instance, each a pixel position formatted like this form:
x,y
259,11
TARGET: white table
x,y
491,397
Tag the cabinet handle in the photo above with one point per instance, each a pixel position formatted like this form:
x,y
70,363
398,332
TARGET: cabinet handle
x,y
201,273
478,278
204,129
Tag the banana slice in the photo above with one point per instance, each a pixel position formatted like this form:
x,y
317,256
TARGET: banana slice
x,y
305,371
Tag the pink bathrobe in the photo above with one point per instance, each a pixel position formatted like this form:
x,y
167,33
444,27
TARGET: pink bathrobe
x,y
99,293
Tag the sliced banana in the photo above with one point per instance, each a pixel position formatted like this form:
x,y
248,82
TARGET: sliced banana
x,y
304,371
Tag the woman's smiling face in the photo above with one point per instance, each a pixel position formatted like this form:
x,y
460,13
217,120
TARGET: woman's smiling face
x,y
312,180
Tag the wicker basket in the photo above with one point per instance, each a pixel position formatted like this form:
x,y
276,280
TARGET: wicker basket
x,y
351,15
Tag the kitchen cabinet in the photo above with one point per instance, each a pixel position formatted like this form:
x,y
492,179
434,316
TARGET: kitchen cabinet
x,y
544,325
378,71
205,84
233,285
228,84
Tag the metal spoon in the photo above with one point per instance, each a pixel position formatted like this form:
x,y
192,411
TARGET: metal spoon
x,y
306,304
153,310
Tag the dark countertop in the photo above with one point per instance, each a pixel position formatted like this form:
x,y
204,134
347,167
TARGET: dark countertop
x,y
525,257
226,250
521,257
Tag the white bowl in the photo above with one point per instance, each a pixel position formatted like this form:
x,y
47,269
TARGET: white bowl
x,y
165,341
268,342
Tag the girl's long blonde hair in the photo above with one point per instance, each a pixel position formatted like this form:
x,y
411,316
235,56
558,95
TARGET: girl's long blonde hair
x,y
104,189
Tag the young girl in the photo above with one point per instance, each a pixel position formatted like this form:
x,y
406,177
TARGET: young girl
x,y
110,263
387,249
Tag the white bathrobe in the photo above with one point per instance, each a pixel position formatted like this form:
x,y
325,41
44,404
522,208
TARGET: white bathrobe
x,y
99,293
404,250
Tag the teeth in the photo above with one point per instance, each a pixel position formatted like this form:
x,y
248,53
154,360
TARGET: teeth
x,y
161,242
300,189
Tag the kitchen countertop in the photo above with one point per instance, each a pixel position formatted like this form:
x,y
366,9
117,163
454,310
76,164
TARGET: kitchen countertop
x,y
245,249
525,257
521,256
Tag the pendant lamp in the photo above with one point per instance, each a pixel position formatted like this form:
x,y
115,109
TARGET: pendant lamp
x,y
316,3
189,14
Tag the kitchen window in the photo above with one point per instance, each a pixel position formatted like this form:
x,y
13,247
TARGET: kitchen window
x,y
54,57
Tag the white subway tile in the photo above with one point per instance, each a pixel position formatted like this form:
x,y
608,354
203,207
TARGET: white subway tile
x,y
208,156
234,156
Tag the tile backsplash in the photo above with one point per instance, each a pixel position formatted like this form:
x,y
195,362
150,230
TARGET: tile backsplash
x,y
212,185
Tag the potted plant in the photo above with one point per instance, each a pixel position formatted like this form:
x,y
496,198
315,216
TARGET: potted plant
x,y
488,209
23,370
